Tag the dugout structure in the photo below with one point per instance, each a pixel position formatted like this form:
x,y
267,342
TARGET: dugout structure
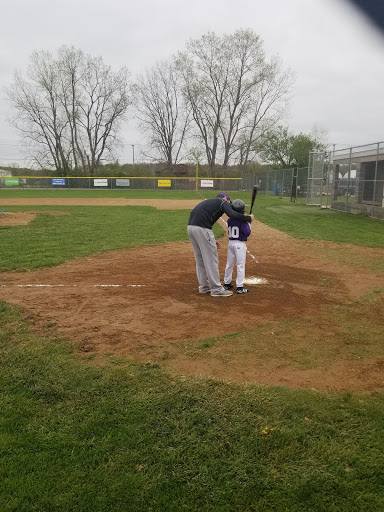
x,y
354,179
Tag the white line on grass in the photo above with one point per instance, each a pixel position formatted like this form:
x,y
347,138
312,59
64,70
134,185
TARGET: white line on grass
x,y
71,285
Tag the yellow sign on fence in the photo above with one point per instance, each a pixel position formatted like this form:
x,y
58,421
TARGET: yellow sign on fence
x,y
163,183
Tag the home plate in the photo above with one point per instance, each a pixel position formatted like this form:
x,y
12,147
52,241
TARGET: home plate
x,y
255,280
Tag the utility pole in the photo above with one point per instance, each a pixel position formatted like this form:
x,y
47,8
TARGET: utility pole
x,y
133,153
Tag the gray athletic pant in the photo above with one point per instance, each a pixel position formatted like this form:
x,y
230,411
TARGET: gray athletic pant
x,y
207,260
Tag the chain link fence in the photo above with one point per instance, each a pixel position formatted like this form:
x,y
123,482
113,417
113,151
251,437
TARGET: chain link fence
x,y
354,180
349,180
285,183
131,183
275,183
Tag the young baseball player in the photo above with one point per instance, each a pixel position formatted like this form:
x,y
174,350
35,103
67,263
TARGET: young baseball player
x,y
238,233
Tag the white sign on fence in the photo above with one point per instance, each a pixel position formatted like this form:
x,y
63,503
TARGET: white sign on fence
x,y
206,183
100,183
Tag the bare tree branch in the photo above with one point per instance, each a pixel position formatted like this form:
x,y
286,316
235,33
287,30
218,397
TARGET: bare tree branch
x,y
234,92
162,112
74,105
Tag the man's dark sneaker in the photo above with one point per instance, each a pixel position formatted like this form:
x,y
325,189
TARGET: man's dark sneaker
x,y
241,290
228,286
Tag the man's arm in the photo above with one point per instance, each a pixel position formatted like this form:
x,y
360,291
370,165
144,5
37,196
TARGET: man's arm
x,y
246,229
236,215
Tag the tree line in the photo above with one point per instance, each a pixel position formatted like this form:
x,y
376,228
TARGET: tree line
x,y
219,102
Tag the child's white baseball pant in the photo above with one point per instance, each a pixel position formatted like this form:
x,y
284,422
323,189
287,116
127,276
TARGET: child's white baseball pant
x,y
237,252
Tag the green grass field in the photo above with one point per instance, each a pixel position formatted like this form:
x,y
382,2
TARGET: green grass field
x,y
134,194
129,437
53,239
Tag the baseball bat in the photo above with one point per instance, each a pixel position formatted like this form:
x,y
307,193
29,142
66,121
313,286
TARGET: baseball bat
x,y
254,193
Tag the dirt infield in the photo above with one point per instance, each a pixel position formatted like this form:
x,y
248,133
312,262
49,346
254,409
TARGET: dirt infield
x,y
156,313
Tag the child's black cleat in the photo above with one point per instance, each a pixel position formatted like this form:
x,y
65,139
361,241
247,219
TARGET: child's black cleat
x,y
242,290
228,286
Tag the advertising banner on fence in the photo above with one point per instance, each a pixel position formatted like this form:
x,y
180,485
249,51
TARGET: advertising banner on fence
x,y
163,183
58,181
206,183
100,182
122,183
11,182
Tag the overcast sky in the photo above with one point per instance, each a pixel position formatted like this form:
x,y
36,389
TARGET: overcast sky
x,y
336,55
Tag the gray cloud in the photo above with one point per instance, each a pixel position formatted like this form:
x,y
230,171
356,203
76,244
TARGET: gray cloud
x,y
336,55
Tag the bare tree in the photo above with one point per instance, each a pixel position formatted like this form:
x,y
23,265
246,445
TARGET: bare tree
x,y
268,104
205,71
69,109
161,111
71,62
37,105
320,136
234,92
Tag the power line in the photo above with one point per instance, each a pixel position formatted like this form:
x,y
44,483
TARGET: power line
x,y
15,158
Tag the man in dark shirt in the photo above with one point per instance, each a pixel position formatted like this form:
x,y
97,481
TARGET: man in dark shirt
x,y
200,233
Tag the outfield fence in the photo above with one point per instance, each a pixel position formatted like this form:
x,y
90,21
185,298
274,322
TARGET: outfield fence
x,y
349,180
287,183
122,183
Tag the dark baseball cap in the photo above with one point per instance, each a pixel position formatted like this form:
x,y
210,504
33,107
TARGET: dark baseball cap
x,y
224,195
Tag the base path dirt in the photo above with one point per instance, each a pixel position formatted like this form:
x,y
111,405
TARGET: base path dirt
x,y
23,218
143,304
160,204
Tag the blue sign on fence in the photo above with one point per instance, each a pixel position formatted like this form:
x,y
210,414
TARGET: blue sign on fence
x,y
58,181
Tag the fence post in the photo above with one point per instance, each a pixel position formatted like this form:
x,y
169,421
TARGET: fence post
x,y
328,174
349,176
375,182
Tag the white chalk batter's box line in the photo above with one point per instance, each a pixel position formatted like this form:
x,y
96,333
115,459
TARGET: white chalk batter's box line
x,y
71,285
